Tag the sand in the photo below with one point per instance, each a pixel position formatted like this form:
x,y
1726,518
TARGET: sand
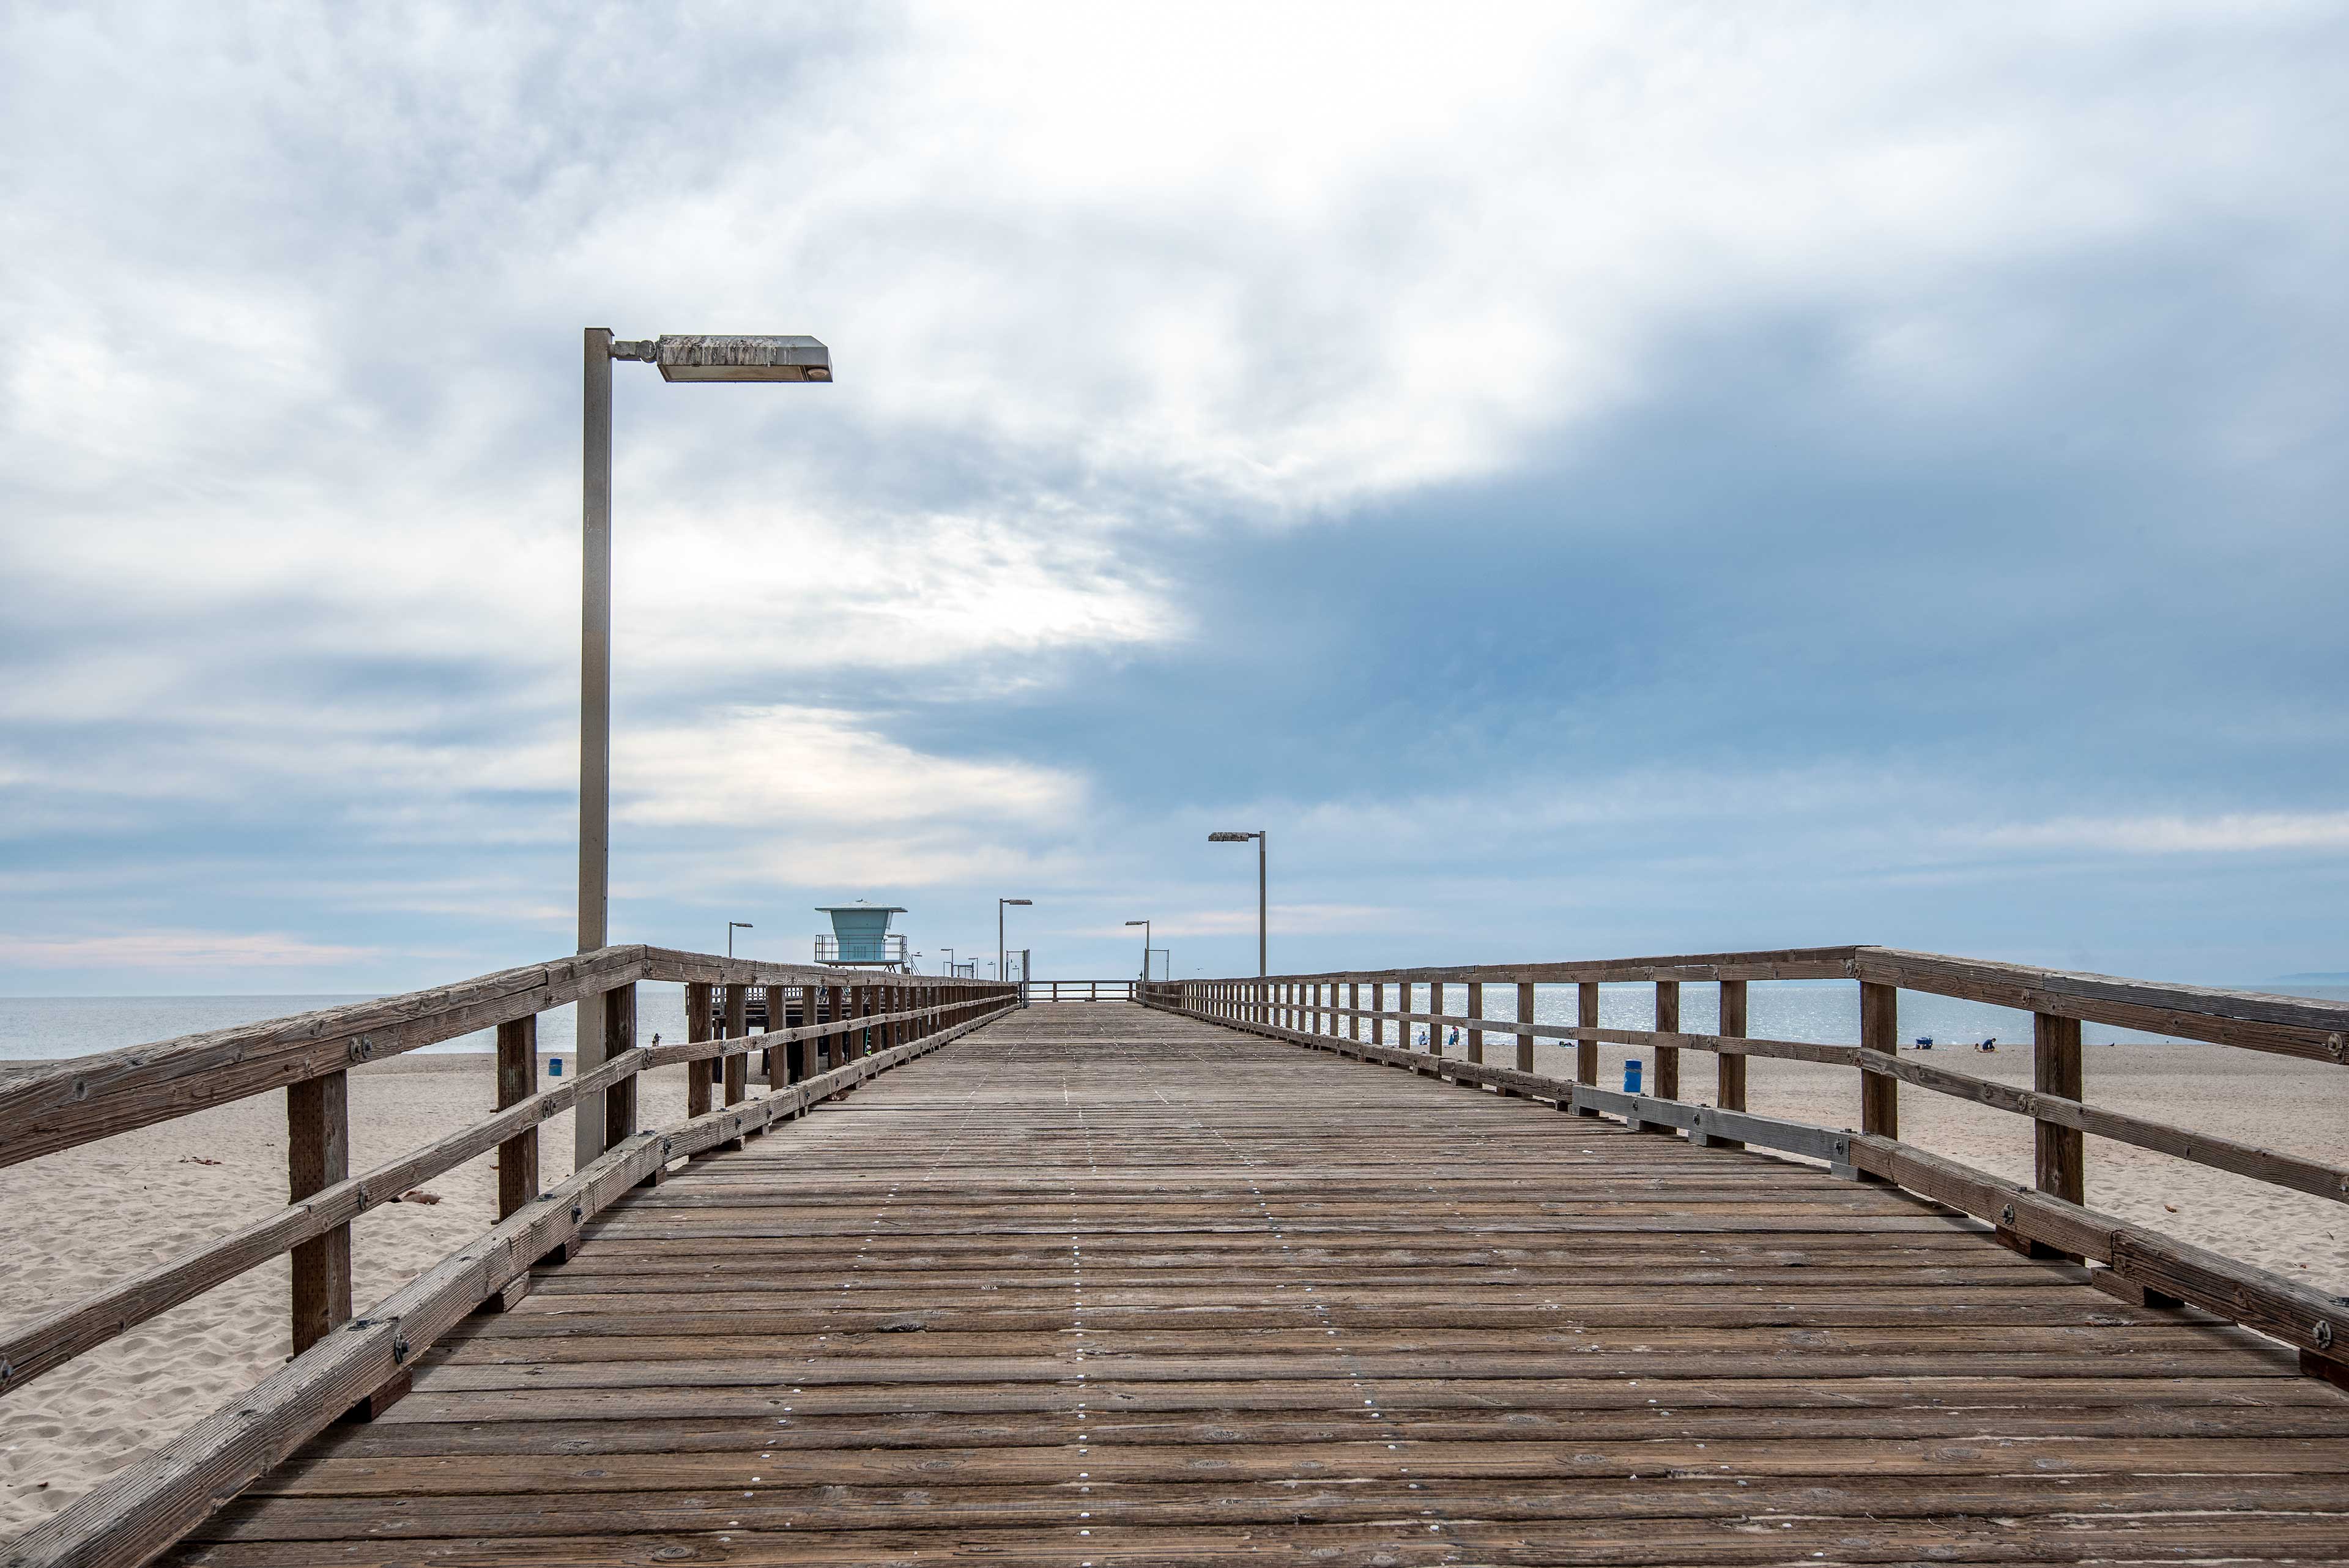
x,y
79,1219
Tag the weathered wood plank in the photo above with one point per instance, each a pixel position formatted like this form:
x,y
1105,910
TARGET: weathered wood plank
x,y
57,1104
319,1148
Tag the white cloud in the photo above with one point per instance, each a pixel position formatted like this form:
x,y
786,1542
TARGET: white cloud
x,y
132,951
2233,832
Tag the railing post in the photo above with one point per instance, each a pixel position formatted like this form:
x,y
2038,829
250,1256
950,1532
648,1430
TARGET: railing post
x,y
738,1027
1585,1052
778,1018
619,1034
1879,1030
517,1081
318,1154
1667,1086
1731,1070
1475,1017
698,1008
1353,1010
2061,1152
1525,1016
1436,1016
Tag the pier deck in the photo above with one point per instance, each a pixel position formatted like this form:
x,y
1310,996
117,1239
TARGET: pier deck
x,y
1100,1284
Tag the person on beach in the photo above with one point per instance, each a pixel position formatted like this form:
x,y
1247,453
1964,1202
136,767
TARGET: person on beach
x,y
1989,1045
1454,1041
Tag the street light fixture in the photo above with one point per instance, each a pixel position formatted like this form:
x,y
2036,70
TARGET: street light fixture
x,y
1242,839
731,927
681,357
1146,947
1002,971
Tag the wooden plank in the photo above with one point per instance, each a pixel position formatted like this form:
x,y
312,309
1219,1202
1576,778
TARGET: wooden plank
x,y
319,1147
2284,1025
620,1040
1476,1017
699,1005
517,1082
1879,1030
1586,1016
1667,1086
2060,1152
1730,1066
738,1027
1525,1062
57,1104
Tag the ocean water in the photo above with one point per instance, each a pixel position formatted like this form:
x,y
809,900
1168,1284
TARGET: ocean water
x,y
46,1028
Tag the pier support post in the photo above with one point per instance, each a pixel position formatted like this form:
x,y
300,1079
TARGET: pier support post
x,y
1475,1018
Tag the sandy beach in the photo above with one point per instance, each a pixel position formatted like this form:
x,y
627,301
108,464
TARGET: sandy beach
x,y
79,1219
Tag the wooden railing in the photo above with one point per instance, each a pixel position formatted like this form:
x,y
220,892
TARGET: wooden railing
x,y
851,1029
2046,1218
1080,990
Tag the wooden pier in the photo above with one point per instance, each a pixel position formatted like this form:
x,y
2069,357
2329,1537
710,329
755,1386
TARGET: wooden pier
x,y
1203,1277
1101,1285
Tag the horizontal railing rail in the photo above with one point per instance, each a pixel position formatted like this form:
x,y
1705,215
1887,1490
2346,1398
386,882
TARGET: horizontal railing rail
x,y
2047,1218
851,1029
1080,990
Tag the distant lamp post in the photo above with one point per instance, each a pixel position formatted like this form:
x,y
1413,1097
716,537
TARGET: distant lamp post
x,y
1243,838
681,357
1002,967
1146,947
731,927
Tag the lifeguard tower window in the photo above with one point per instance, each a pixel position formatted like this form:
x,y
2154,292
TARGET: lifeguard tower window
x,y
860,937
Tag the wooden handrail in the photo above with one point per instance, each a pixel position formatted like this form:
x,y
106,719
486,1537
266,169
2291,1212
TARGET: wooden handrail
x,y
1306,1008
51,1105
56,1105
2150,1263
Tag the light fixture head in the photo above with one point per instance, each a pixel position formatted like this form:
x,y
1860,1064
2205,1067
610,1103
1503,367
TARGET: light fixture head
x,y
715,357
1137,922
1231,837
1020,901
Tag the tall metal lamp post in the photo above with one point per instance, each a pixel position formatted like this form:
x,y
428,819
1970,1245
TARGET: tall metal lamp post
x,y
1243,838
1146,947
681,357
731,927
1002,969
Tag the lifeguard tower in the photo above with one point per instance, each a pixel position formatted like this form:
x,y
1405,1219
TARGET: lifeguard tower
x,y
860,937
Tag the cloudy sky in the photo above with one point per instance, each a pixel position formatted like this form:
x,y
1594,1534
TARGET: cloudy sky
x,y
1590,481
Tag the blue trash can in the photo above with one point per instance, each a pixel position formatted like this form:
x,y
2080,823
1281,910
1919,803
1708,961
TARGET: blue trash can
x,y
555,1067
1631,1076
